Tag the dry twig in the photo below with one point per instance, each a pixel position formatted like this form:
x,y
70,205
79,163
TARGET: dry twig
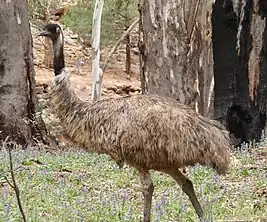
x,y
13,184
117,44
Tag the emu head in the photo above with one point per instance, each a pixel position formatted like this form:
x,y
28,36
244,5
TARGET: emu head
x,y
52,31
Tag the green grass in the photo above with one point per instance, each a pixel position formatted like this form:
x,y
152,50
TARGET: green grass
x,y
80,186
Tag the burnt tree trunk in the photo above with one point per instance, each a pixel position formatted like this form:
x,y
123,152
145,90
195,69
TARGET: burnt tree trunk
x,y
175,50
210,55
240,66
18,100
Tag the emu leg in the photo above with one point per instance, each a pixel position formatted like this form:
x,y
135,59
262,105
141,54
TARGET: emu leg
x,y
147,191
187,187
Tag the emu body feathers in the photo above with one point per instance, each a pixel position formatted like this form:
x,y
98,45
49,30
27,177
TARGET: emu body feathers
x,y
147,132
144,131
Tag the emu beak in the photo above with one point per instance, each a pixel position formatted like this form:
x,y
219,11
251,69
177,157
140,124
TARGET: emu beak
x,y
44,33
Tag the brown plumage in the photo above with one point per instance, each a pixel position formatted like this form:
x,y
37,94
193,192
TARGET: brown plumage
x,y
147,132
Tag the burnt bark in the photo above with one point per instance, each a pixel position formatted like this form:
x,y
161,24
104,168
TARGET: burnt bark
x,y
175,55
240,66
18,101
210,55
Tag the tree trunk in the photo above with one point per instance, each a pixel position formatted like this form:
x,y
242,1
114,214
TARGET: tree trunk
x,y
128,44
224,31
128,54
206,72
48,54
18,100
240,66
210,55
175,50
96,71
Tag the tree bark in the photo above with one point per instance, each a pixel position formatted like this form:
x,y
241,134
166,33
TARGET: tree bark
x,y
240,66
128,54
127,43
96,70
175,41
206,72
18,100
210,55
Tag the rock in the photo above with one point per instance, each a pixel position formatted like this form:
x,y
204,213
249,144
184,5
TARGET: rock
x,y
39,89
43,103
112,88
104,90
120,92
74,36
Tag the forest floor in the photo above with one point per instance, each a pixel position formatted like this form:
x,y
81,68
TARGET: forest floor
x,y
73,185
81,186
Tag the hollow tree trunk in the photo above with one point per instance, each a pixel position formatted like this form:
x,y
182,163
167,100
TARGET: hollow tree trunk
x,y
240,66
18,100
175,50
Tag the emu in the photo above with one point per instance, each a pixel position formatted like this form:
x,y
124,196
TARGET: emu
x,y
147,132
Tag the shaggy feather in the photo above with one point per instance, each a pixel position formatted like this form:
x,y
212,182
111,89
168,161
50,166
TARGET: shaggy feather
x,y
144,131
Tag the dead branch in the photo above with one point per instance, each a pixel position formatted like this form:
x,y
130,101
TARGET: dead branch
x,y
3,174
118,43
13,184
121,15
38,15
42,42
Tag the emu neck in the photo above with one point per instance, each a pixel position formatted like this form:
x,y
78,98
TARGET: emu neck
x,y
59,63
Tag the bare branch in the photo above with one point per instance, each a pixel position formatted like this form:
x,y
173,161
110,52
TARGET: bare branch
x,y
38,15
121,15
45,46
9,183
118,43
8,171
14,185
184,16
43,5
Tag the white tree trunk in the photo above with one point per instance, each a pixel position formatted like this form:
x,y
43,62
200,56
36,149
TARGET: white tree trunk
x,y
96,71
